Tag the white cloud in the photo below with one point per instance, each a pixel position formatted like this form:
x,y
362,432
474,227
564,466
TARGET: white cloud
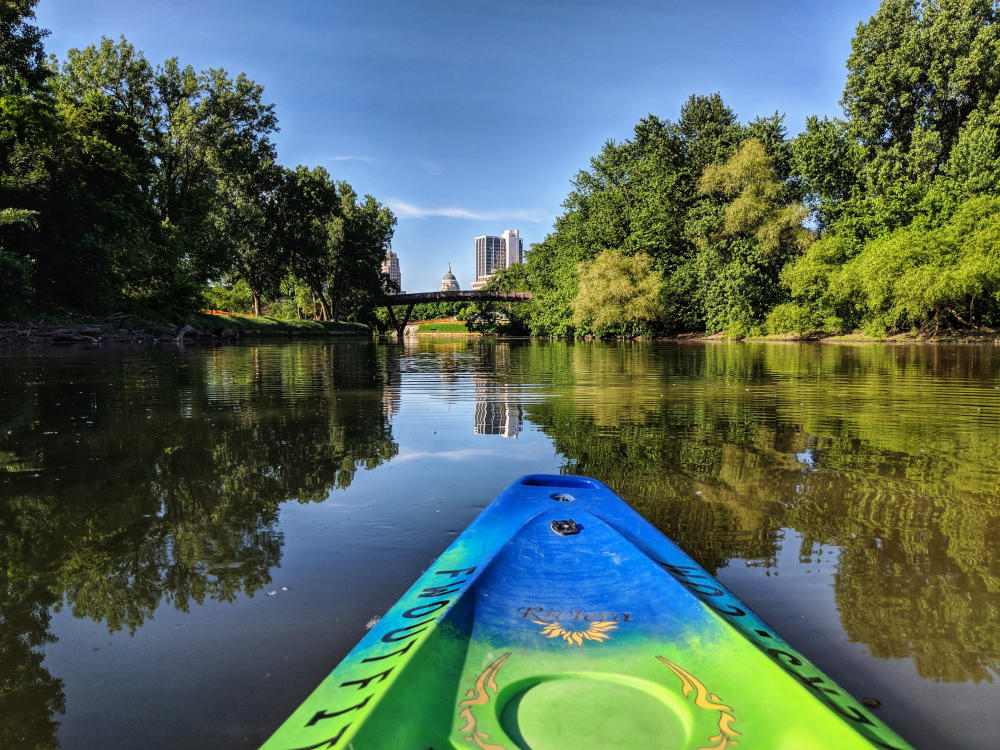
x,y
405,210
432,168
453,455
365,159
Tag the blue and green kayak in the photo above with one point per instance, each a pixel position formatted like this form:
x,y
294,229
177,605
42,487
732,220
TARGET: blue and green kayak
x,y
561,618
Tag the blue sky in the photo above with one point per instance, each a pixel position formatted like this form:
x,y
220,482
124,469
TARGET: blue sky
x,y
472,117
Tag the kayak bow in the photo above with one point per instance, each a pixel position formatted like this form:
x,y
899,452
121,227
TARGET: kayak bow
x,y
561,618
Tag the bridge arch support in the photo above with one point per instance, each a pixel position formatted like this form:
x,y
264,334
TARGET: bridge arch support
x,y
410,300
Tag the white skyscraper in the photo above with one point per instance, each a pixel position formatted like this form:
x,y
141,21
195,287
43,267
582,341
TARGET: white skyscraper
x,y
390,266
494,253
512,247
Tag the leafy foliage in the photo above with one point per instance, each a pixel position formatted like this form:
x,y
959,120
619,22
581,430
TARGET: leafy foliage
x,y
22,57
748,239
144,182
917,70
506,318
728,212
917,277
617,293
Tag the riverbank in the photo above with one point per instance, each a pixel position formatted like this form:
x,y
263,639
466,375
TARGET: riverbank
x,y
973,336
197,327
228,328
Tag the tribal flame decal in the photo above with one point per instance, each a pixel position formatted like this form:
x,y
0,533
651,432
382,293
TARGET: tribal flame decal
x,y
597,631
710,701
480,696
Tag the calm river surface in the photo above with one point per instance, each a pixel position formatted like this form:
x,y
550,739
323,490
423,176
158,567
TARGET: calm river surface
x,y
191,540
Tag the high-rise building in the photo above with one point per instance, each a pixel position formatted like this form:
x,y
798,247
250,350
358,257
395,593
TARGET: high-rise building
x,y
494,253
390,266
512,247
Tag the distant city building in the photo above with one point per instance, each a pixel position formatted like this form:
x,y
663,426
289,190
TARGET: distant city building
x,y
512,247
495,253
390,266
448,282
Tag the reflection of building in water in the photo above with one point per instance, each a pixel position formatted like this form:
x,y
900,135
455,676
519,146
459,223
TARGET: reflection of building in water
x,y
498,412
391,395
390,401
497,418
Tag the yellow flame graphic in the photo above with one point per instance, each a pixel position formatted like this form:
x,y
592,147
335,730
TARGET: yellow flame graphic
x,y
709,701
597,631
480,696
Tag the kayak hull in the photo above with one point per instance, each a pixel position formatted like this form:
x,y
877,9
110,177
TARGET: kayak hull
x,y
562,619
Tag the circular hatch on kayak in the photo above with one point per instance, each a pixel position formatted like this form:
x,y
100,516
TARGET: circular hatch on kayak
x,y
593,713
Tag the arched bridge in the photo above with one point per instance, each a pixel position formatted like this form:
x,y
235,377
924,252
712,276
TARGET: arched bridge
x,y
479,295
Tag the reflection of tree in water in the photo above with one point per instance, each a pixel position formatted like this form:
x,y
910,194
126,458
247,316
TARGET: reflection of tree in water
x,y
916,576
31,697
858,447
136,480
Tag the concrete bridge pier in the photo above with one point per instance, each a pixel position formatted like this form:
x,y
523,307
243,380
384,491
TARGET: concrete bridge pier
x,y
400,326
479,295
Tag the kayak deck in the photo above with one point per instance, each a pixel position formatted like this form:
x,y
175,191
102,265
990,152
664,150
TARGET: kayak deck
x,y
562,619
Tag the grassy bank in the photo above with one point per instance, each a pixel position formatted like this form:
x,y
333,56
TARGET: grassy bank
x,y
128,329
218,322
968,336
449,327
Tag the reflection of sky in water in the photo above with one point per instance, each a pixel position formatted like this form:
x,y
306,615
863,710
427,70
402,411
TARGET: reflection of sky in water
x,y
806,459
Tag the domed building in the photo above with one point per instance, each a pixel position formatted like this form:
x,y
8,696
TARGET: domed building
x,y
448,282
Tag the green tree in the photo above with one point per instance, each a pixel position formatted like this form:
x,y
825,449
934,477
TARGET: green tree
x,y
355,252
67,166
618,293
917,277
196,130
917,70
827,160
307,210
504,318
746,240
22,56
639,196
245,217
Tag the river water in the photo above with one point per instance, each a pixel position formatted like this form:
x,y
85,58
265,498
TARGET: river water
x,y
191,540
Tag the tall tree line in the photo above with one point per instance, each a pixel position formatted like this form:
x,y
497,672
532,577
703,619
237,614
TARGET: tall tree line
x,y
131,186
887,219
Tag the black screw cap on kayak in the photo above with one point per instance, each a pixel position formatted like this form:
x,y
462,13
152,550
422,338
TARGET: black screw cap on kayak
x,y
565,528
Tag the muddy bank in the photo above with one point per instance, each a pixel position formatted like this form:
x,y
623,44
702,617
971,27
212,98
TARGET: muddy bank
x,y
198,328
974,336
25,335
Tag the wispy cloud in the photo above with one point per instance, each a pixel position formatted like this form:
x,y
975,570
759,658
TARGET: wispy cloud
x,y
432,168
454,455
405,210
365,159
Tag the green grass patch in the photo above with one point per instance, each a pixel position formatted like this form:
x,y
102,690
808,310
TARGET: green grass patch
x,y
263,324
442,328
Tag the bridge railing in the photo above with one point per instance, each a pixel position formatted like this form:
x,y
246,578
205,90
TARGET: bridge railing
x,y
477,295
